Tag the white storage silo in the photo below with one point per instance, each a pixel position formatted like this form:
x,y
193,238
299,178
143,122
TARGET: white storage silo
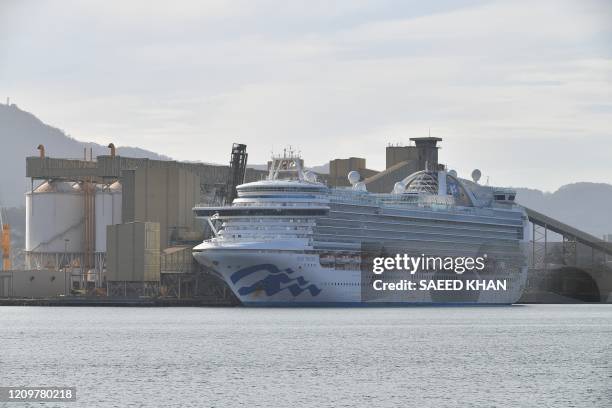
x,y
108,211
54,214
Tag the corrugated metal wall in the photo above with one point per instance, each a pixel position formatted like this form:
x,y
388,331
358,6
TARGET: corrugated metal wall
x,y
133,252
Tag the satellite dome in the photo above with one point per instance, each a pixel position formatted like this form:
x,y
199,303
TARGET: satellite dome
x,y
453,173
476,174
354,177
399,187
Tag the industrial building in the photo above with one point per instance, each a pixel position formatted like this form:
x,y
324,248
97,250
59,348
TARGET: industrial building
x,y
34,283
401,161
339,168
111,220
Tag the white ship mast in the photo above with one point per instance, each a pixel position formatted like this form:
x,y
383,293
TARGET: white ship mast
x,y
288,166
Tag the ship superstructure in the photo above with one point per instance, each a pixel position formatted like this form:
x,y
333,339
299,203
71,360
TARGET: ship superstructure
x,y
292,240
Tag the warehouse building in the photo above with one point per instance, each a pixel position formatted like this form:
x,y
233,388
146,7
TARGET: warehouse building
x,y
113,218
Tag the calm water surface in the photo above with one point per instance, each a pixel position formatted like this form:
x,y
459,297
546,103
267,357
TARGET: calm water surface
x,y
520,356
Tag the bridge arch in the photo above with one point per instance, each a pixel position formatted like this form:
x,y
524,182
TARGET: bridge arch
x,y
576,283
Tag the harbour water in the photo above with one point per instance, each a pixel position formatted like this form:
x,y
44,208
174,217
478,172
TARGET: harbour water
x,y
529,355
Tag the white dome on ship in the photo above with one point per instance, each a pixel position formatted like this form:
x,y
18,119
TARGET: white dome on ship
x,y
422,182
426,182
354,177
399,187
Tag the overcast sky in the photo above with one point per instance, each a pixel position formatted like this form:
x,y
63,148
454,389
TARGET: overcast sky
x,y
520,89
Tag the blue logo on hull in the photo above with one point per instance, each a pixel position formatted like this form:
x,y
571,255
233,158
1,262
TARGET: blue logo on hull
x,y
274,281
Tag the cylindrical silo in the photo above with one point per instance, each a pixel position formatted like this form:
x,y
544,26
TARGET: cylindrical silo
x,y
54,218
108,211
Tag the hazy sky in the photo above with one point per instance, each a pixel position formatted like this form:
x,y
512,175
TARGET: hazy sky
x,y
520,89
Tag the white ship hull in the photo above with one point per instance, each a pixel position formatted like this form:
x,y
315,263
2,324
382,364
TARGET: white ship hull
x,y
296,278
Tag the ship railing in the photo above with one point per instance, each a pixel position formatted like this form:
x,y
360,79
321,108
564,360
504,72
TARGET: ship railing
x,y
259,238
352,196
282,204
402,201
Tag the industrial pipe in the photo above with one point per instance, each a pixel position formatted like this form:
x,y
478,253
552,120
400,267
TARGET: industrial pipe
x,y
112,147
42,151
6,247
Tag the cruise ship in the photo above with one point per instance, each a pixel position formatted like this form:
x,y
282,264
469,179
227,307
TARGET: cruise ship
x,y
290,240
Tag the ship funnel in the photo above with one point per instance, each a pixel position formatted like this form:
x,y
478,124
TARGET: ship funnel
x,y
426,152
